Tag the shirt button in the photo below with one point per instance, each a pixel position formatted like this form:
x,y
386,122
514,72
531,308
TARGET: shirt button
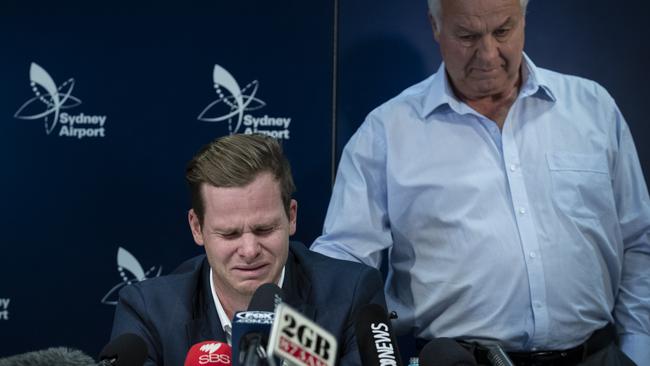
x,y
522,210
513,167
537,304
532,254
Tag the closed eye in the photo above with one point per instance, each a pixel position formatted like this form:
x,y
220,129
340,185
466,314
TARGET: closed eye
x,y
468,37
265,230
229,235
501,32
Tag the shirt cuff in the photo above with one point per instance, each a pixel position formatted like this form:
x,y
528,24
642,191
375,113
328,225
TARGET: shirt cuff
x,y
636,347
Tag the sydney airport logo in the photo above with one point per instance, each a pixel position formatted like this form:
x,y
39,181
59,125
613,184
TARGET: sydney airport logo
x,y
234,105
131,271
54,102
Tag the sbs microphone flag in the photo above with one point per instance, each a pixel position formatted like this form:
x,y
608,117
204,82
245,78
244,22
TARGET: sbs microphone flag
x,y
209,353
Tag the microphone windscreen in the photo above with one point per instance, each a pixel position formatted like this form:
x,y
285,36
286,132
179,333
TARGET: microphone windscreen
x,y
445,352
60,356
375,337
127,349
209,353
266,298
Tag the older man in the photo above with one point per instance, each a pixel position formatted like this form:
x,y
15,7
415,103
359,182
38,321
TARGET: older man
x,y
510,198
243,214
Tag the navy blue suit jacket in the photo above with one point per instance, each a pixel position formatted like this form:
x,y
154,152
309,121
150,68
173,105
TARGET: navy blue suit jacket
x,y
172,313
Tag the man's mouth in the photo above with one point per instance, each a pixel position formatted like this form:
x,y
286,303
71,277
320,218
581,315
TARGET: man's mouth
x,y
251,270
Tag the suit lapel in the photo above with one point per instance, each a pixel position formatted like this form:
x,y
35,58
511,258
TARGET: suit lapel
x,y
297,286
205,324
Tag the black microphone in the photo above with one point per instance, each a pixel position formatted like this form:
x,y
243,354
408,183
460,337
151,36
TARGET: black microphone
x,y
498,356
251,328
60,356
375,337
127,349
445,352
266,298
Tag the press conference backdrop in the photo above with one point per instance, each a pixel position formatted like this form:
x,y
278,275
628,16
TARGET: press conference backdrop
x,y
102,105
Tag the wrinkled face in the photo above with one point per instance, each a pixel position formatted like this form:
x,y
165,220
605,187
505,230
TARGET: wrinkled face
x,y
481,42
245,233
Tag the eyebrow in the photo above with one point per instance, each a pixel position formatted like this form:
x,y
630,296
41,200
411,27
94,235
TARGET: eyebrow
x,y
509,21
273,222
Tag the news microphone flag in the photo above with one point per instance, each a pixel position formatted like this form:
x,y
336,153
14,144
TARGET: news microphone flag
x,y
375,337
299,340
209,353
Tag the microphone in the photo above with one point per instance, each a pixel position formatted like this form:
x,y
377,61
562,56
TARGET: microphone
x,y
60,356
250,329
375,337
127,349
445,352
266,298
299,340
498,356
210,353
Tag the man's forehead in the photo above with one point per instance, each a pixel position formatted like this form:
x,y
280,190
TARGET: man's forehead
x,y
474,24
228,223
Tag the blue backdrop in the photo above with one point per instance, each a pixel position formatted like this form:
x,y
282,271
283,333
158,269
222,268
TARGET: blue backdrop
x,y
147,71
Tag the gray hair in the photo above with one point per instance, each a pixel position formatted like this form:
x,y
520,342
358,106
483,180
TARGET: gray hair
x,y
435,7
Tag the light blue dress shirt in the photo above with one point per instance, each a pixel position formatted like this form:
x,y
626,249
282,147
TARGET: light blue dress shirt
x,y
534,236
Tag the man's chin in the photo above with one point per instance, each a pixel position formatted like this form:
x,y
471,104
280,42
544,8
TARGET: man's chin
x,y
488,88
248,287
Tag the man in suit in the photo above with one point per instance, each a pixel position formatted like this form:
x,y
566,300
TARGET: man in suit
x,y
243,214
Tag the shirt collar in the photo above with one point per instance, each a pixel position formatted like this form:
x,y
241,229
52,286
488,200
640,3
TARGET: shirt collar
x,y
441,93
226,323
534,81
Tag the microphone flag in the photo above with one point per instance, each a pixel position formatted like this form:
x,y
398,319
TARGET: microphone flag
x,y
300,341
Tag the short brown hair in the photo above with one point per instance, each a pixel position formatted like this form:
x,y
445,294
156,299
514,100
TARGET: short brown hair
x,y
235,161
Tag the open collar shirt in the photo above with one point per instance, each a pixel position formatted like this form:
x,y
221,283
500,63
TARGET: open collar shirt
x,y
535,235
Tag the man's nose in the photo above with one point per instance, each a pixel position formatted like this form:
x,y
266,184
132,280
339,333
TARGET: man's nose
x,y
487,48
249,246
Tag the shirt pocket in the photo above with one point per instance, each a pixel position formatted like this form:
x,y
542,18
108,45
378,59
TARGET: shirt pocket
x,y
581,184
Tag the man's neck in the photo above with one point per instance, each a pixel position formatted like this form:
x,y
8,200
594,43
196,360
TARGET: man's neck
x,y
229,303
495,107
231,306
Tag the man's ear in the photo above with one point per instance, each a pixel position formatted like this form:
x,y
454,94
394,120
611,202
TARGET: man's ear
x,y
293,216
195,227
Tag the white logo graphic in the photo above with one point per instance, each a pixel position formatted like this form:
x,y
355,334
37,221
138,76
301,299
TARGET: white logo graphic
x,y
131,271
56,99
231,107
210,347
4,309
